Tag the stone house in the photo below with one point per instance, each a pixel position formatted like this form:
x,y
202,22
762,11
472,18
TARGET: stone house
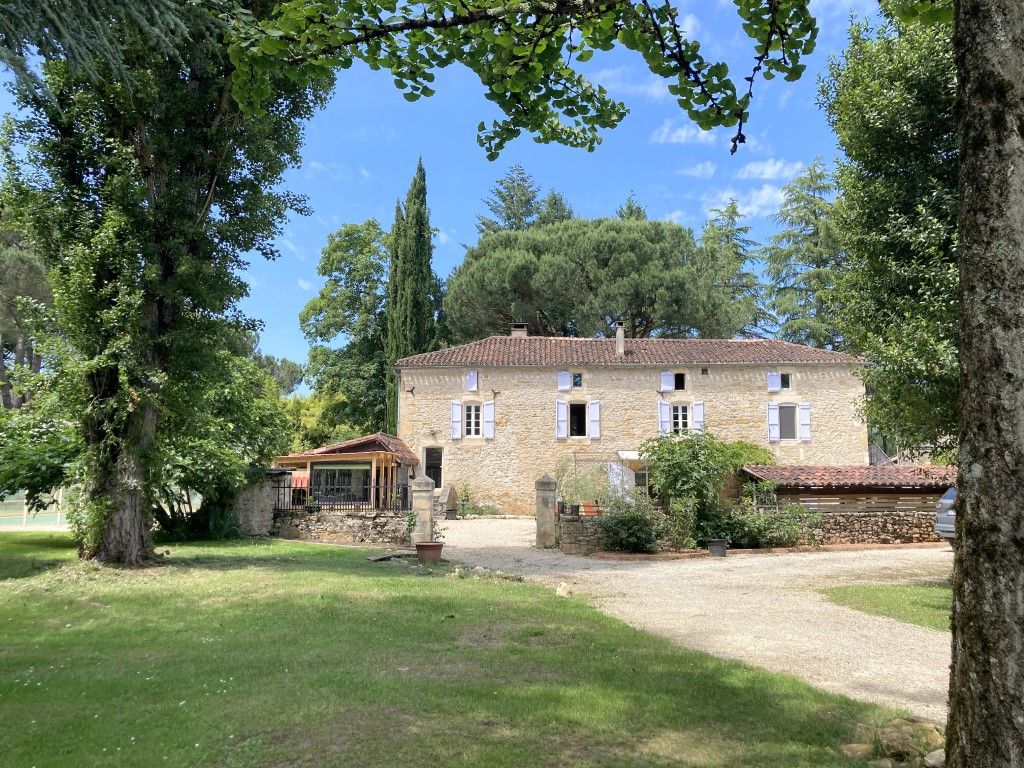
x,y
496,414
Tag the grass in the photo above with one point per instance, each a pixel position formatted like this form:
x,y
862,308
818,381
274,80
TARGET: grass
x,y
278,653
926,604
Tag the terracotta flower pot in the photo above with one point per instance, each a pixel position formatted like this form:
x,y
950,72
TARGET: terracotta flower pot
x,y
589,508
429,551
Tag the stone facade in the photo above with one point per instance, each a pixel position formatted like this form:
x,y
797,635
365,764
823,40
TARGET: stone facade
x,y
348,527
502,470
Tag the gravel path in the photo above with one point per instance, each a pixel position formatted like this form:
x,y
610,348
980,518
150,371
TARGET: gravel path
x,y
761,609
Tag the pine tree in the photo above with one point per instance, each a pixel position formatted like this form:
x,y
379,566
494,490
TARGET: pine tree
x,y
802,259
412,295
513,203
631,209
554,208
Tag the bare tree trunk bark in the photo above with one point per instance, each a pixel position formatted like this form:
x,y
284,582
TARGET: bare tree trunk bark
x,y
986,720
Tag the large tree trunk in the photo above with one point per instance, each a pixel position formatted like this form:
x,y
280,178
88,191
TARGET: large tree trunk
x,y
986,721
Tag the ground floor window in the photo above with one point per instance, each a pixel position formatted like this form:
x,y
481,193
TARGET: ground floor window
x,y
787,422
577,419
472,419
680,419
432,465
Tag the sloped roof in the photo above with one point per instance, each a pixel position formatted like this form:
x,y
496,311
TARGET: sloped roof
x,y
882,476
377,442
557,351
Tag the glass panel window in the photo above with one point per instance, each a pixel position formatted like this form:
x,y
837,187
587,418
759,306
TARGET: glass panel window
x,y
577,419
785,380
787,422
473,420
680,381
680,419
577,380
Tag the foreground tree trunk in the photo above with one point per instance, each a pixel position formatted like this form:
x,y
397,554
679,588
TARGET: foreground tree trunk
x,y
986,721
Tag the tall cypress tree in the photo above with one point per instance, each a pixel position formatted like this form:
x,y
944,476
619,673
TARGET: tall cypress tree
x,y
412,287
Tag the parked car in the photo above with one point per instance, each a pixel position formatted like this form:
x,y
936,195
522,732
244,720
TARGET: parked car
x,y
945,516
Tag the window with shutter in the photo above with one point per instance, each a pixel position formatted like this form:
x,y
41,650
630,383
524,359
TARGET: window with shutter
x,y
805,422
456,420
577,419
680,418
564,381
664,418
668,381
774,381
698,416
595,418
489,420
787,422
561,419
773,423
472,419
471,381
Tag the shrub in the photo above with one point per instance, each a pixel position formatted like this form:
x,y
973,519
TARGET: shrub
x,y
629,526
678,527
745,525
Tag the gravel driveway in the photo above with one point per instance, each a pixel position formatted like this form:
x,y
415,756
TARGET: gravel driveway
x,y
761,609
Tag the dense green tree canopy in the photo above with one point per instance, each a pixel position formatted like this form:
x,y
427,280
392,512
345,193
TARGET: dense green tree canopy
x,y
580,277
890,100
804,258
515,203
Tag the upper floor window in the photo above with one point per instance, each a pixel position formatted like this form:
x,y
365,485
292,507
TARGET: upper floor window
x,y
680,381
577,380
577,419
672,381
784,380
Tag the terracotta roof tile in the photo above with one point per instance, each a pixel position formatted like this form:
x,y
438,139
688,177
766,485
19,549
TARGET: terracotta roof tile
x,y
368,443
856,477
556,351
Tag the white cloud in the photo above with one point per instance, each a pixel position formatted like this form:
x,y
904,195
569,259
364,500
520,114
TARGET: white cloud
x,y
364,174
701,170
690,25
687,133
304,284
769,169
679,216
442,237
626,81
762,201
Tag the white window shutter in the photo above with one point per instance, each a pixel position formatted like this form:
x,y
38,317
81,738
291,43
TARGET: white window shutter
x,y
774,435
561,419
471,381
489,420
697,422
805,422
668,381
616,477
664,418
564,381
774,381
595,418
456,420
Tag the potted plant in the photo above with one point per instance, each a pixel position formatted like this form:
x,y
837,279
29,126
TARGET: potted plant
x,y
581,489
426,551
718,547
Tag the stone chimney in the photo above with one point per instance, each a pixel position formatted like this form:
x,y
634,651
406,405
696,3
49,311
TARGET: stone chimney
x,y
620,340
519,330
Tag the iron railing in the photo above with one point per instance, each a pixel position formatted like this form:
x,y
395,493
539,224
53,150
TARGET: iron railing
x,y
341,498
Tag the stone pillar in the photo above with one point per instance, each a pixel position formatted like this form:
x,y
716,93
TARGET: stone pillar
x,y
547,526
423,507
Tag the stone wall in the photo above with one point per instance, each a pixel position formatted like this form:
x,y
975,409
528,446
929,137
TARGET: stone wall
x,y
254,507
893,527
578,534
349,527
502,470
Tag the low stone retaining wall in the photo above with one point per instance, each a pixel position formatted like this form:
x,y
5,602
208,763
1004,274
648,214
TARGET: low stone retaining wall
x,y
349,527
578,534
891,527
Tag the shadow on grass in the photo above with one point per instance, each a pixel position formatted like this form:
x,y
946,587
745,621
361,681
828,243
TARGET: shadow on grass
x,y
27,554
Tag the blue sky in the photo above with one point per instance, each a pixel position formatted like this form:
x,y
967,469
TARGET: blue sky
x,y
361,150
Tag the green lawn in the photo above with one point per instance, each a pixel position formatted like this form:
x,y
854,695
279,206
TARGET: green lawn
x,y
283,654
927,604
